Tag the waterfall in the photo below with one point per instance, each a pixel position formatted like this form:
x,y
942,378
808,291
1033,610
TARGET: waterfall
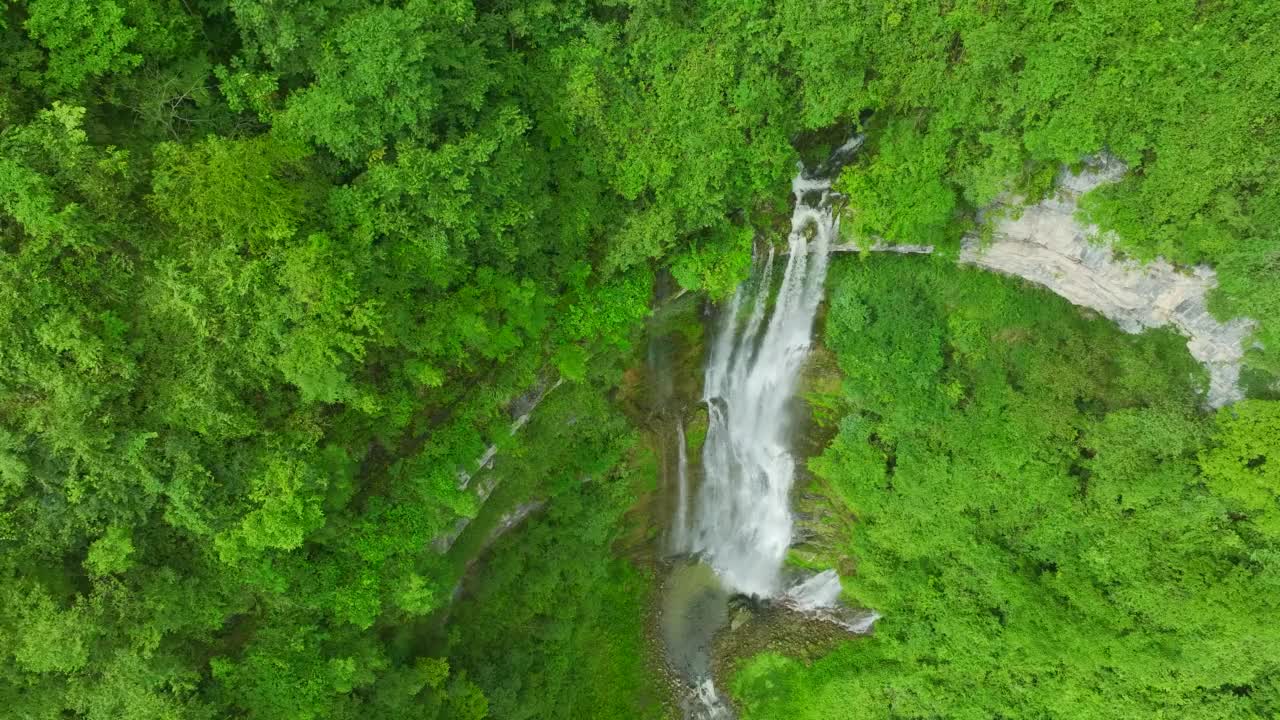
x,y
741,516
742,526
680,527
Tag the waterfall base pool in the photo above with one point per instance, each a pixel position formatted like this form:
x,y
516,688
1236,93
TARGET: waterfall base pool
x,y
695,606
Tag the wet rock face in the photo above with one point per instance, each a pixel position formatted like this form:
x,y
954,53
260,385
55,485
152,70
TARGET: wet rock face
x,y
748,603
1048,246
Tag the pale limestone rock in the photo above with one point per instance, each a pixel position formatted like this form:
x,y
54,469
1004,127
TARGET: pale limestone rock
x,y
1047,245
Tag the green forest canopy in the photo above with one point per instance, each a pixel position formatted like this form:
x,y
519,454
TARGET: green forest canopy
x,y
272,271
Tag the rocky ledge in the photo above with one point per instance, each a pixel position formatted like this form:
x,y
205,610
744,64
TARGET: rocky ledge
x,y
1045,244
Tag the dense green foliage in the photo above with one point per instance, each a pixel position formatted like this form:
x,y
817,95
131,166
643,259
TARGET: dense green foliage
x,y
1049,525
274,272
553,625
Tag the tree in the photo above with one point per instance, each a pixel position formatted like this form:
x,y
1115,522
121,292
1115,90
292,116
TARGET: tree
x,y
83,41
1241,464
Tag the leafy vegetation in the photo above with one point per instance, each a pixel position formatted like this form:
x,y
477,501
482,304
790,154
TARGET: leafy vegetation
x,y
1048,523
553,623
275,274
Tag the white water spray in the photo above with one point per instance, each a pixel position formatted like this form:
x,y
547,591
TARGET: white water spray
x,y
743,522
819,596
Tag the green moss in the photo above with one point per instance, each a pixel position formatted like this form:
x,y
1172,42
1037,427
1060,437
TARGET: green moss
x,y
695,431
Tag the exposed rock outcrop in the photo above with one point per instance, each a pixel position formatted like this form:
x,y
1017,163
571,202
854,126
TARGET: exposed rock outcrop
x,y
1046,244
522,408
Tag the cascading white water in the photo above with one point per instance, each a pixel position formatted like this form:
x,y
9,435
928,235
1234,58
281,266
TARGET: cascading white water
x,y
680,526
742,525
819,596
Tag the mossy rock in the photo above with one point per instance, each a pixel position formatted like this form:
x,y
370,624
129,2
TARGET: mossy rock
x,y
696,424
